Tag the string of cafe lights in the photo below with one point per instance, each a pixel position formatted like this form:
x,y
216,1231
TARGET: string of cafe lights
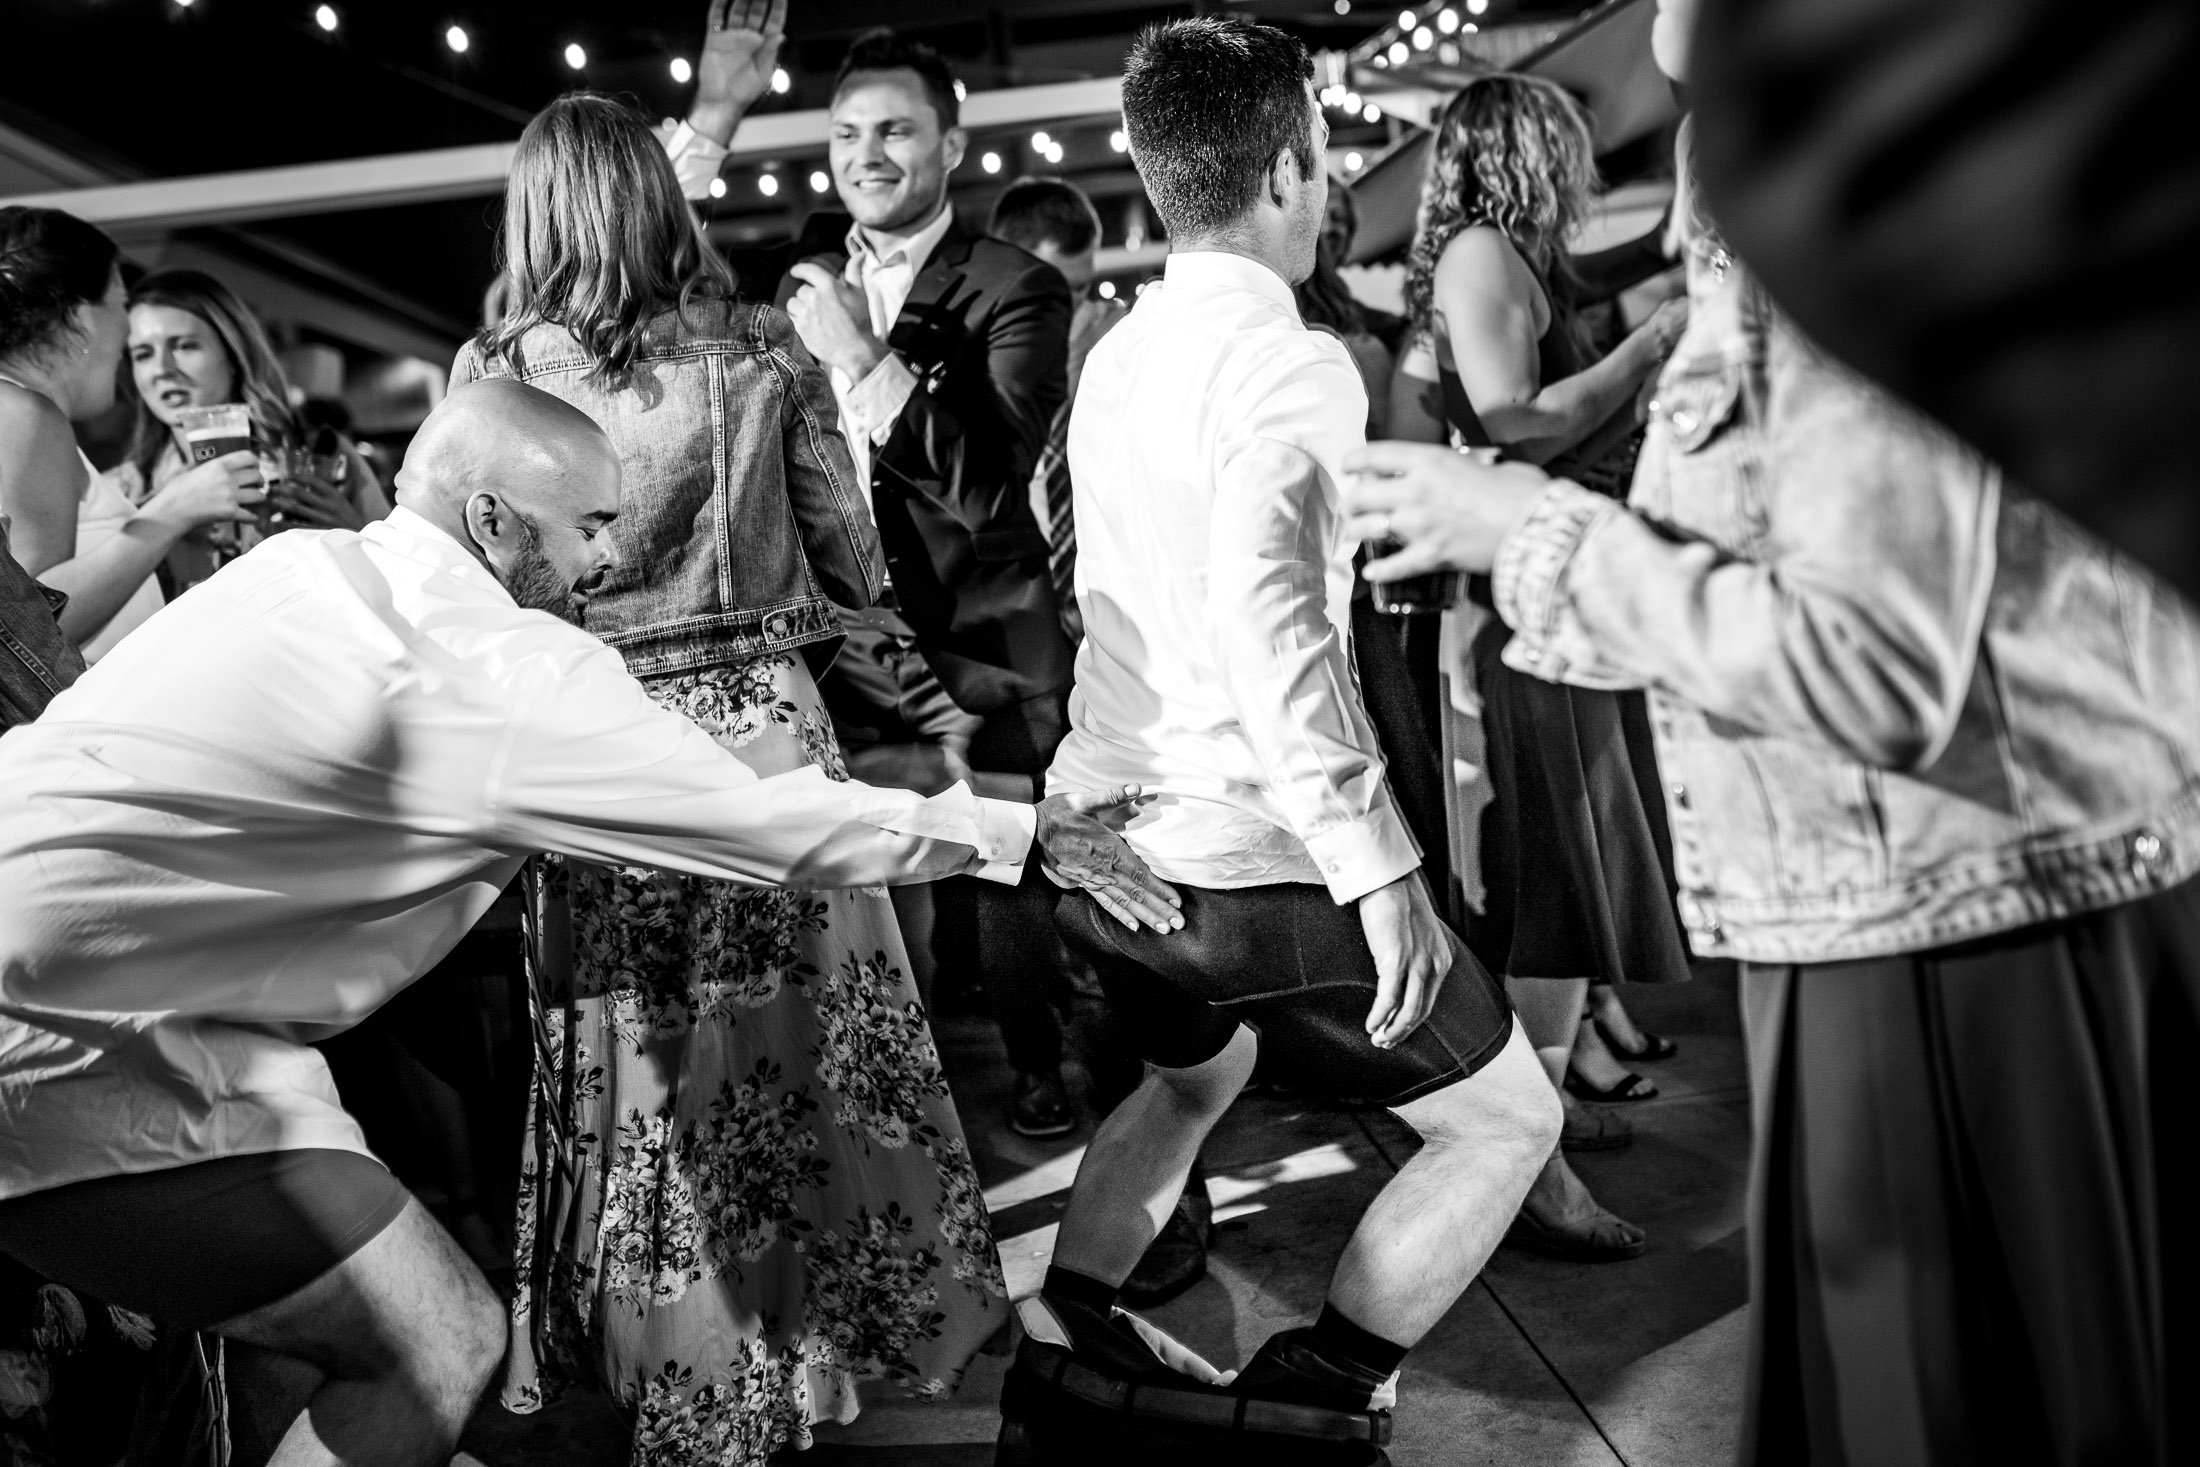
x,y
460,40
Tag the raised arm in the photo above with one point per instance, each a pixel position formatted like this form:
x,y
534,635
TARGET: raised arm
x,y
42,483
1853,620
740,50
1487,299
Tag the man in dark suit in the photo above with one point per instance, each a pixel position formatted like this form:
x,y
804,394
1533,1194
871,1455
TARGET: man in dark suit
x,y
947,353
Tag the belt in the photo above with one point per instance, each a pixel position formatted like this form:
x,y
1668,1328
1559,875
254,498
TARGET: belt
x,y
1210,1408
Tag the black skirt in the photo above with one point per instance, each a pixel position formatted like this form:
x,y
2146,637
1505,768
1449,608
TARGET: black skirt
x,y
1969,1237
1577,857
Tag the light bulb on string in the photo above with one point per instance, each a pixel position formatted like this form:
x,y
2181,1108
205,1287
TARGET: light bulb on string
x,y
457,39
1353,162
1106,290
1039,142
1422,40
575,57
1398,53
767,185
991,162
1371,113
682,71
1119,141
1447,20
1407,20
780,80
717,188
325,17
819,182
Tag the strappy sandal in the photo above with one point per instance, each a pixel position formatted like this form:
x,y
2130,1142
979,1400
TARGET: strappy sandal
x,y
1629,1086
1654,1046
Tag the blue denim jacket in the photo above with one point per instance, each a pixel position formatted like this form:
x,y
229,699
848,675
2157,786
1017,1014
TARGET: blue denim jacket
x,y
1896,706
36,661
742,521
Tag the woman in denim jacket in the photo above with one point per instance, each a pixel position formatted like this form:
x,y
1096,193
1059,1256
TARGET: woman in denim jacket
x,y
746,1188
1933,765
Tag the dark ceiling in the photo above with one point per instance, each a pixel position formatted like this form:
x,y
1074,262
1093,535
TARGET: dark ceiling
x,y
150,88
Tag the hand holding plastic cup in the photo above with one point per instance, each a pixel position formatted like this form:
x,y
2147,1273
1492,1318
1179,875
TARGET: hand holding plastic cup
x,y
1434,592
223,428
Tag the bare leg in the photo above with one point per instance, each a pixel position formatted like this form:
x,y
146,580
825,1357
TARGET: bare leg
x,y
1428,1233
1606,1009
404,1335
1135,1168
1550,1011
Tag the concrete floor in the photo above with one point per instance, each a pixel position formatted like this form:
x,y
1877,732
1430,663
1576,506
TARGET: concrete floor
x,y
1569,1365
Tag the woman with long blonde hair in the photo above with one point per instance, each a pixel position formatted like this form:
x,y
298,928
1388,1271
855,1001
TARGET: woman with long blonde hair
x,y
746,1189
1574,850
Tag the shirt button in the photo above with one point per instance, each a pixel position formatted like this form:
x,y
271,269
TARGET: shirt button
x,y
1334,868
1680,795
1656,406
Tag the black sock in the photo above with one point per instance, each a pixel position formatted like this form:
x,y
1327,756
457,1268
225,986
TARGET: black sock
x,y
1072,1287
1339,1341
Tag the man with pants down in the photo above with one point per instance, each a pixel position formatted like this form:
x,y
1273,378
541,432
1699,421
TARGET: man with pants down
x,y
1215,586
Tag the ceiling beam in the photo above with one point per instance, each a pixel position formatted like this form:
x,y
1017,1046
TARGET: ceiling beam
x,y
452,173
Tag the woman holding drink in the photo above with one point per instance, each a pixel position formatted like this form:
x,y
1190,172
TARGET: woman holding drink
x,y
207,376
62,328
1574,851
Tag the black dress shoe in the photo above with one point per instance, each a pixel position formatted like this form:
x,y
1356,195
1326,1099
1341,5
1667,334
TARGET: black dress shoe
x,y
1040,1108
1177,1257
1285,1369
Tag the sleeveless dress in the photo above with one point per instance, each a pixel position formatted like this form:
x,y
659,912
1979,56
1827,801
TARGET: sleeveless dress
x,y
745,1189
1577,858
100,514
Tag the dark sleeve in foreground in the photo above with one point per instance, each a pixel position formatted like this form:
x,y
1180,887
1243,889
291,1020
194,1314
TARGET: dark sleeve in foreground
x,y
1993,208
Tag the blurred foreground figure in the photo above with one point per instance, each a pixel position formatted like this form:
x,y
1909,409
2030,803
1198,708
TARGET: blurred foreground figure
x,y
279,802
1992,207
1930,757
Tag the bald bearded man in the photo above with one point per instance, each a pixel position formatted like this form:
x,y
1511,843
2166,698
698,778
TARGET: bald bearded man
x,y
285,798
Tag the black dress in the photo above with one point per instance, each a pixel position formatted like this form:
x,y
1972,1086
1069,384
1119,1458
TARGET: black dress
x,y
1577,858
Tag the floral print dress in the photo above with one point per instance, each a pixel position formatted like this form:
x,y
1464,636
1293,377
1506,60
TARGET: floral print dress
x,y
745,1188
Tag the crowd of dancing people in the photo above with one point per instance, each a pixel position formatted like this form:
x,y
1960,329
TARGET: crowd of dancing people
x,y
776,647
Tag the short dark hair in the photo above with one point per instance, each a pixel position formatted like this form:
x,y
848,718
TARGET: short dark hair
x,y
886,49
1035,211
1208,104
50,263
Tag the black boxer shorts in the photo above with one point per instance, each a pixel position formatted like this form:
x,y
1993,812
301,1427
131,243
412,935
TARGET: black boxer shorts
x,y
197,1244
1291,964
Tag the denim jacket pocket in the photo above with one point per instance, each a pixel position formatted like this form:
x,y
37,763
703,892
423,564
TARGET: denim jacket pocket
x,y
1695,402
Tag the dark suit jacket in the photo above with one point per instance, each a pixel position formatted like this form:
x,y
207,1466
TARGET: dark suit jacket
x,y
986,330
1992,207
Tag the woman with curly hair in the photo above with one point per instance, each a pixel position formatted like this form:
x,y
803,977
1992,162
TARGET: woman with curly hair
x,y
746,1189
1574,849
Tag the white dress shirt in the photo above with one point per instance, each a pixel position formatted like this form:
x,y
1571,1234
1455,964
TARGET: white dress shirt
x,y
1216,590
869,408
286,796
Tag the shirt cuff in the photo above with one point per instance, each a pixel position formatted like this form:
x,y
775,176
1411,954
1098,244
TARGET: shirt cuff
x,y
1365,854
695,159
1007,829
1528,582
874,403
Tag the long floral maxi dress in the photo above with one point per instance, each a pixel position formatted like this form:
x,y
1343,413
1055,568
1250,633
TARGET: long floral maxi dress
x,y
745,1188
